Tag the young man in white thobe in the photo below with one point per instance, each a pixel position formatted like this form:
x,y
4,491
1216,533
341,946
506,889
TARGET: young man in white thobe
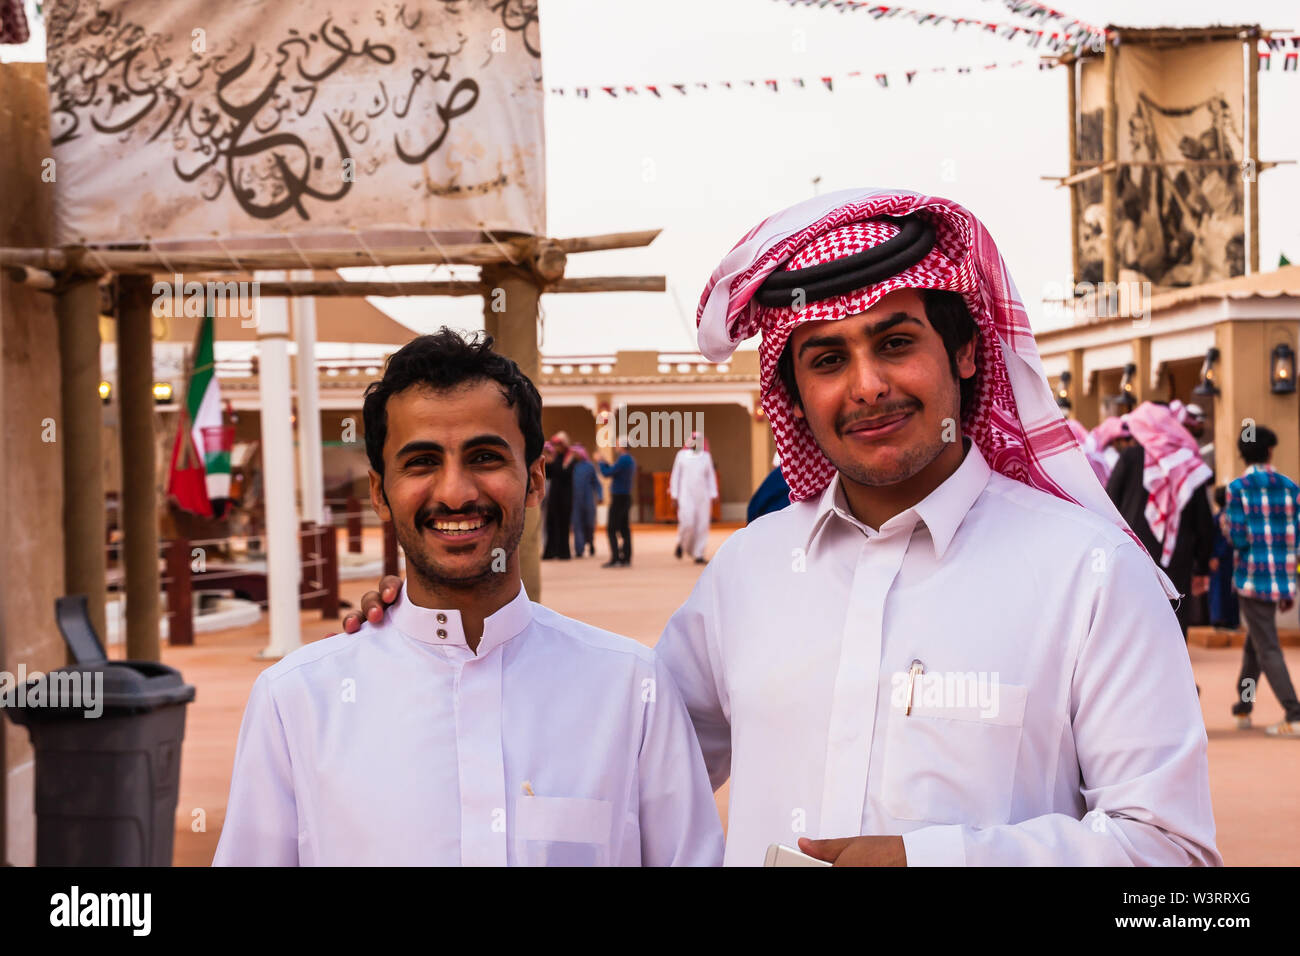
x,y
471,726
949,649
693,485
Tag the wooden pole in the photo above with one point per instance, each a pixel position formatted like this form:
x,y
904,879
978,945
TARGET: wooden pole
x,y
180,594
329,539
510,317
353,521
520,249
36,278
81,438
390,548
1110,154
139,468
323,288
1252,74
1072,79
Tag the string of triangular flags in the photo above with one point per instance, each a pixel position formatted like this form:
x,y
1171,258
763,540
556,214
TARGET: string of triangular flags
x,y
1068,34
1042,13
1290,58
778,84
1285,48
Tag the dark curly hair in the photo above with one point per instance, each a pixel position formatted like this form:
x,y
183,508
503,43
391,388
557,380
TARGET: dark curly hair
x,y
948,315
442,361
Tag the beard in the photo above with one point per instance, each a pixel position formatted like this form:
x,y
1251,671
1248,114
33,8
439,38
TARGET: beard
x,y
433,575
910,461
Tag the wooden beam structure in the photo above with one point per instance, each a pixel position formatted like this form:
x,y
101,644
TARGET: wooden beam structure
x,y
81,438
139,467
1094,171
81,260
1109,154
327,287
514,273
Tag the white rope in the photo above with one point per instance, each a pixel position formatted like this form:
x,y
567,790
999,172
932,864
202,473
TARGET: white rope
x,y
500,248
229,255
387,271
159,253
99,260
446,260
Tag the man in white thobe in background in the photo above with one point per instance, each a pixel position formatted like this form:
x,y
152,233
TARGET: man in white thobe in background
x,y
467,725
693,486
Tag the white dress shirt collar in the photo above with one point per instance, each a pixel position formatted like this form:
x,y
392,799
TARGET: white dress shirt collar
x,y
443,626
942,510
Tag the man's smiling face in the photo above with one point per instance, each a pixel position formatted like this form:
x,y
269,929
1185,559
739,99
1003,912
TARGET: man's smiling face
x,y
877,389
456,484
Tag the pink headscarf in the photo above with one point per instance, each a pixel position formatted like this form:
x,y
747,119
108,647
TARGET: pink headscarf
x,y
1110,429
1014,419
1094,458
1173,470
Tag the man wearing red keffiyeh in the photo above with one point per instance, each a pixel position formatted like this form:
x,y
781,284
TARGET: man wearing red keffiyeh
x,y
970,658
949,649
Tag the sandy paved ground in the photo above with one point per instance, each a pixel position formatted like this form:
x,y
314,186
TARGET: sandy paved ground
x,y
1254,778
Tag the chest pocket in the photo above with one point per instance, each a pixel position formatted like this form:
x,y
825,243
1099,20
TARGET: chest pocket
x,y
562,831
953,764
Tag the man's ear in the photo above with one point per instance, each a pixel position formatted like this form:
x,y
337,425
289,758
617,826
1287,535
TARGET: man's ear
x,y
536,482
379,498
965,357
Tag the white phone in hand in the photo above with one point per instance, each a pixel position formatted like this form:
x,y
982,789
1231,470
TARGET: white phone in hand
x,y
780,855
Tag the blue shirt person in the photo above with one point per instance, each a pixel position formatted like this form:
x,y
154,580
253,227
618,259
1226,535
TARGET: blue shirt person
x,y
587,493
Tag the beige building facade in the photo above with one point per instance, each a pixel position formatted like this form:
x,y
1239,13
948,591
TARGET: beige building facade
x,y
1246,321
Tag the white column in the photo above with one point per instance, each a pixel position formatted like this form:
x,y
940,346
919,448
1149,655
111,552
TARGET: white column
x,y
310,466
282,548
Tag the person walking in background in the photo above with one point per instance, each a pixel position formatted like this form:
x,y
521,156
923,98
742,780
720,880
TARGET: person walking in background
x,y
1157,487
1224,612
621,471
559,504
587,493
693,486
1260,519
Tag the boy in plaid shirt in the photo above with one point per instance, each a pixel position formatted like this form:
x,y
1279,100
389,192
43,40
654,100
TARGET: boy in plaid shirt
x,y
1261,517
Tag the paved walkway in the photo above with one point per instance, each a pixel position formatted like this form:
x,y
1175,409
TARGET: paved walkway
x,y
1254,779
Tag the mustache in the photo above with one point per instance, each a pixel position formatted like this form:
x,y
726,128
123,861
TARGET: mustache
x,y
842,422
425,514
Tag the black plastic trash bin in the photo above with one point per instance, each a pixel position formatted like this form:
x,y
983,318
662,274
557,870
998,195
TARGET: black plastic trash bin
x,y
106,786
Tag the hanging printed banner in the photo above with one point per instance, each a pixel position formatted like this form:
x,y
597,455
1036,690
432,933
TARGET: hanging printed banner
x,y
1181,186
174,121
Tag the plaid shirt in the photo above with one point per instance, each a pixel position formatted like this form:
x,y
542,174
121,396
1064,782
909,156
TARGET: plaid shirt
x,y
1262,508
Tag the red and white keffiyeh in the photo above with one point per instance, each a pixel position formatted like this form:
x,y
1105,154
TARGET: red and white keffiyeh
x,y
1095,458
1173,470
1014,419
1110,429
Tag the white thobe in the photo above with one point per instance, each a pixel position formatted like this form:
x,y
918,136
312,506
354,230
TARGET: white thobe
x,y
693,485
794,650
557,743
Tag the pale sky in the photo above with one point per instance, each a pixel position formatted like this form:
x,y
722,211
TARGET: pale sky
x,y
707,166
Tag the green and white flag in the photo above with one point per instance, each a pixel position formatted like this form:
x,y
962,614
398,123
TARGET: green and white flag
x,y
204,406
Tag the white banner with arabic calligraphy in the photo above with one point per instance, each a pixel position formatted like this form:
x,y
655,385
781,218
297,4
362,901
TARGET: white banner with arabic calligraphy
x,y
329,121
